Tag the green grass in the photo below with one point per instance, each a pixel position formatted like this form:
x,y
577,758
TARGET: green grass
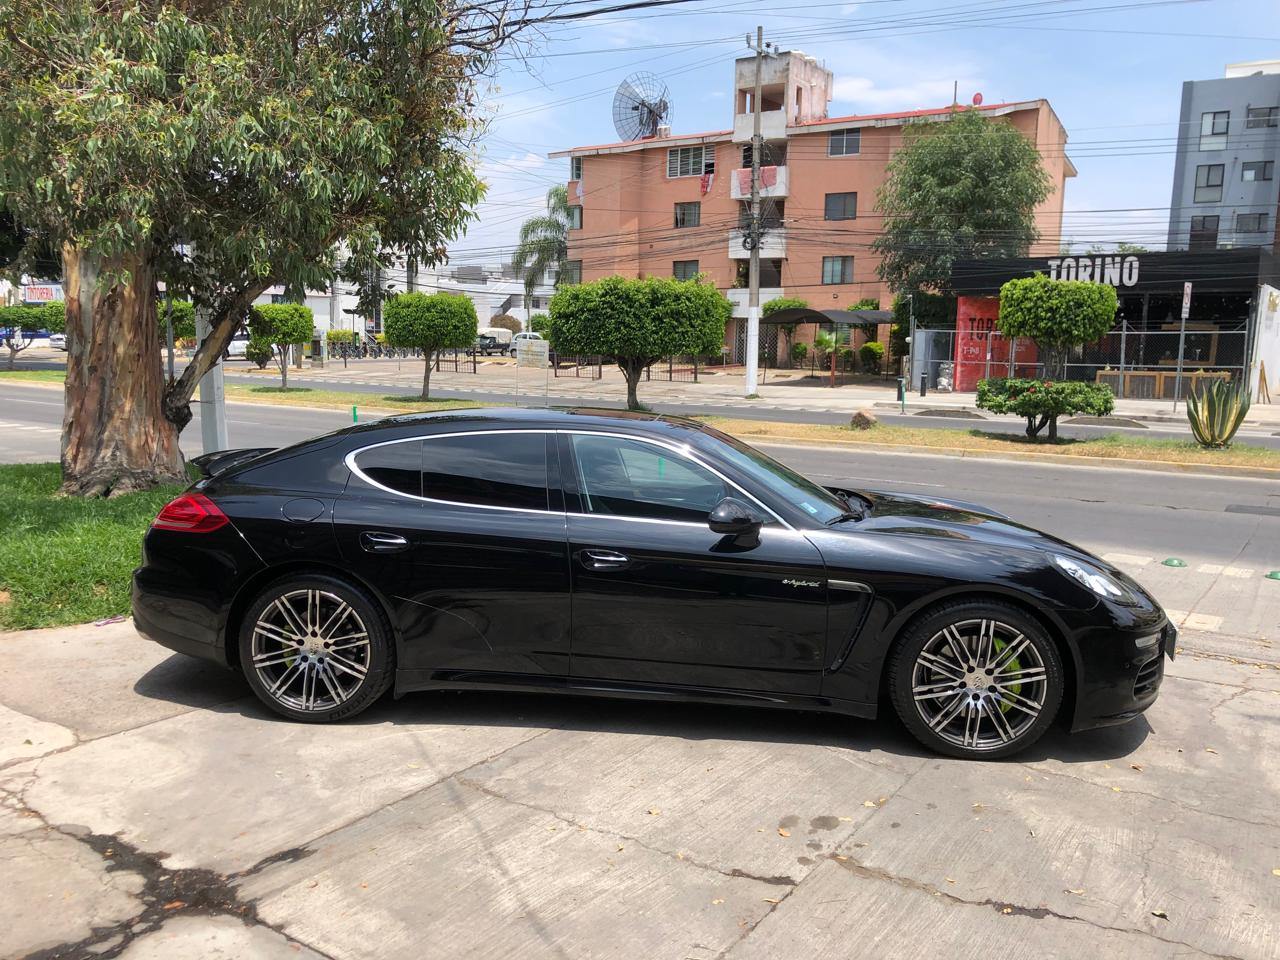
x,y
63,559
39,376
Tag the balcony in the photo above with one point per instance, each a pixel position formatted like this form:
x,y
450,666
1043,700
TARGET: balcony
x,y
740,183
773,246
738,297
773,126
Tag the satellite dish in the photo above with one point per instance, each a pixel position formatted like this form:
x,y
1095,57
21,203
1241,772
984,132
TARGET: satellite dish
x,y
977,99
641,105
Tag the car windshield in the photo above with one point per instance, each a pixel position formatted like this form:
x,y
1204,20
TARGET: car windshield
x,y
814,499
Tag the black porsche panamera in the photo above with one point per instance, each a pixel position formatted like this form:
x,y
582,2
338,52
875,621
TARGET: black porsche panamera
x,y
639,556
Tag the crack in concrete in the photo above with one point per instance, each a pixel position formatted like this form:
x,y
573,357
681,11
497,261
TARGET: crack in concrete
x,y
1225,701
1005,908
487,791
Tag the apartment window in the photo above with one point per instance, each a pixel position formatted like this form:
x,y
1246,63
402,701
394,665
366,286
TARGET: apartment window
x,y
1213,130
688,214
1257,117
1209,183
571,272
1257,170
690,161
575,168
844,143
684,269
1251,223
840,206
837,270
1204,233
575,217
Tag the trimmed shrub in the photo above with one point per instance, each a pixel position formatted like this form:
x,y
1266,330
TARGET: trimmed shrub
x,y
1043,401
871,354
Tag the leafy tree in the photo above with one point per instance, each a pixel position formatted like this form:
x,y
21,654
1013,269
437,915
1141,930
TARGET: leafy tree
x,y
429,322
16,323
1057,315
966,187
339,337
866,303
223,148
540,323
1043,401
282,326
183,316
506,322
259,351
778,304
544,243
55,316
871,354
638,321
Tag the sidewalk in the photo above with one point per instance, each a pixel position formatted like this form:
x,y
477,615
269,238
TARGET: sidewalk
x,y
778,389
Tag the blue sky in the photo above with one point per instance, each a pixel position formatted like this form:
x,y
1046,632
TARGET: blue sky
x,y
1112,71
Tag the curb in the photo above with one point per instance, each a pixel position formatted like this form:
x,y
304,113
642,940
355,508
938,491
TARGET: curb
x,y
1064,459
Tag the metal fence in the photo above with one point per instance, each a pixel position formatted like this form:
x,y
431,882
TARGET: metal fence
x,y
456,361
579,367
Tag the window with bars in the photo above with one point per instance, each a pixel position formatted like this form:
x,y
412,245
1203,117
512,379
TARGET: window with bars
x,y
572,272
688,214
837,270
1204,233
1258,117
1255,170
575,217
684,269
1251,223
1213,129
690,161
1209,183
844,143
575,168
840,206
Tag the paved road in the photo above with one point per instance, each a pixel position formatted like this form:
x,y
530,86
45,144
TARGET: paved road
x,y
1226,530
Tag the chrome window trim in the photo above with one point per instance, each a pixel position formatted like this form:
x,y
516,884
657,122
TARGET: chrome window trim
x,y
685,451
682,450
350,461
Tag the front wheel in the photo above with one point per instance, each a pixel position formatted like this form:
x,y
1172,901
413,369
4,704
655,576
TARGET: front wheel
x,y
314,648
976,679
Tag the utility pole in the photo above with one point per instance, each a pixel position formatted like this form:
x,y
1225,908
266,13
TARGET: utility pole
x,y
213,410
753,275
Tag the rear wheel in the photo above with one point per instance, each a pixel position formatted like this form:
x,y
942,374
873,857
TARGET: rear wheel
x,y
976,680
314,648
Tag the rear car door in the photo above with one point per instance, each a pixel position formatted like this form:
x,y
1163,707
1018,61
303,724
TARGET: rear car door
x,y
659,598
459,533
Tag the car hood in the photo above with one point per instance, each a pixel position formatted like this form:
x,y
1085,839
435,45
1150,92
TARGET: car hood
x,y
953,520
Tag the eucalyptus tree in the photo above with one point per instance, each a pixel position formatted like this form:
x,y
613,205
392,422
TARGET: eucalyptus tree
x,y
223,147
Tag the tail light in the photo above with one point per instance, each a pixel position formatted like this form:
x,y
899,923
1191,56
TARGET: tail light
x,y
192,512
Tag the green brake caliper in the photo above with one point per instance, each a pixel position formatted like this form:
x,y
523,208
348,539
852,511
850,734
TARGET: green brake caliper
x,y
1013,664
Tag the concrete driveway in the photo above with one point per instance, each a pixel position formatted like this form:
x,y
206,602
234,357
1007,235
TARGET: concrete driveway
x,y
151,809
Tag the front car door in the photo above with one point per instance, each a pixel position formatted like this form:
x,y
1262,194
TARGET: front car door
x,y
659,598
460,533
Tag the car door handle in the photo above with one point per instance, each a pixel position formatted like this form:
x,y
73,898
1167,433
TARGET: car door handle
x,y
603,559
372,541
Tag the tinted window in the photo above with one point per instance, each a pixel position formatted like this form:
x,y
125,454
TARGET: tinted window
x,y
488,469
627,478
817,501
396,465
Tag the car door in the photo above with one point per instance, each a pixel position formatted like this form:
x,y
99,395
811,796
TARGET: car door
x,y
458,532
659,598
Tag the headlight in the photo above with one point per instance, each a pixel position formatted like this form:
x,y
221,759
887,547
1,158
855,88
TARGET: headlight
x,y
1094,579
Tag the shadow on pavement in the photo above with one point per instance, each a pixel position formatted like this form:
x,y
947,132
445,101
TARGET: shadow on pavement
x,y
189,682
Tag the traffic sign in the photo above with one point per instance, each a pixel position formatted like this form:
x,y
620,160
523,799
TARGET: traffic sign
x,y
1186,300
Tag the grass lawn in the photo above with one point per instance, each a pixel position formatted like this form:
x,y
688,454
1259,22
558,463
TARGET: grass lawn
x,y
1112,446
66,559
39,376
343,399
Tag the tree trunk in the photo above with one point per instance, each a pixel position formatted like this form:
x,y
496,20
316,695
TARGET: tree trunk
x,y
115,437
426,374
631,368
284,366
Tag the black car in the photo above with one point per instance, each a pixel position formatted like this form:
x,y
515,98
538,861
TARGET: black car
x,y
634,555
486,345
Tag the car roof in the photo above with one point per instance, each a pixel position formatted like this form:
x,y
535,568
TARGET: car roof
x,y
527,418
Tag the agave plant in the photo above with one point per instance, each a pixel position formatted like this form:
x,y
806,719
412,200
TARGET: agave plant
x,y
1216,411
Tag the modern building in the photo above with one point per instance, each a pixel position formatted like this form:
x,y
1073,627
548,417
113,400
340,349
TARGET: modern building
x,y
1225,190
676,204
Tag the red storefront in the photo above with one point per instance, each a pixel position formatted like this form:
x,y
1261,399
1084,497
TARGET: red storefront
x,y
982,352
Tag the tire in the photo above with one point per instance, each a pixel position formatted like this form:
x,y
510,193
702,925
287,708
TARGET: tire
x,y
308,666
944,672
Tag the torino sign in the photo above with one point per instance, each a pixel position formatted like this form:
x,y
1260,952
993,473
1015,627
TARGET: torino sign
x,y
1119,271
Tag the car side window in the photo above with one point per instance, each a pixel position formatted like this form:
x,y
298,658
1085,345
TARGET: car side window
x,y
628,478
487,469
396,466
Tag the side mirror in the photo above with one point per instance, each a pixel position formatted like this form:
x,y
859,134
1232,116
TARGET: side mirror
x,y
733,518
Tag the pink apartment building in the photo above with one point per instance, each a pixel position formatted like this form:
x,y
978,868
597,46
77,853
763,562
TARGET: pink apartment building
x,y
674,204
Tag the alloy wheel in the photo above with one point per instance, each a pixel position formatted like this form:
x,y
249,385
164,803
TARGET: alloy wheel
x,y
310,650
979,684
